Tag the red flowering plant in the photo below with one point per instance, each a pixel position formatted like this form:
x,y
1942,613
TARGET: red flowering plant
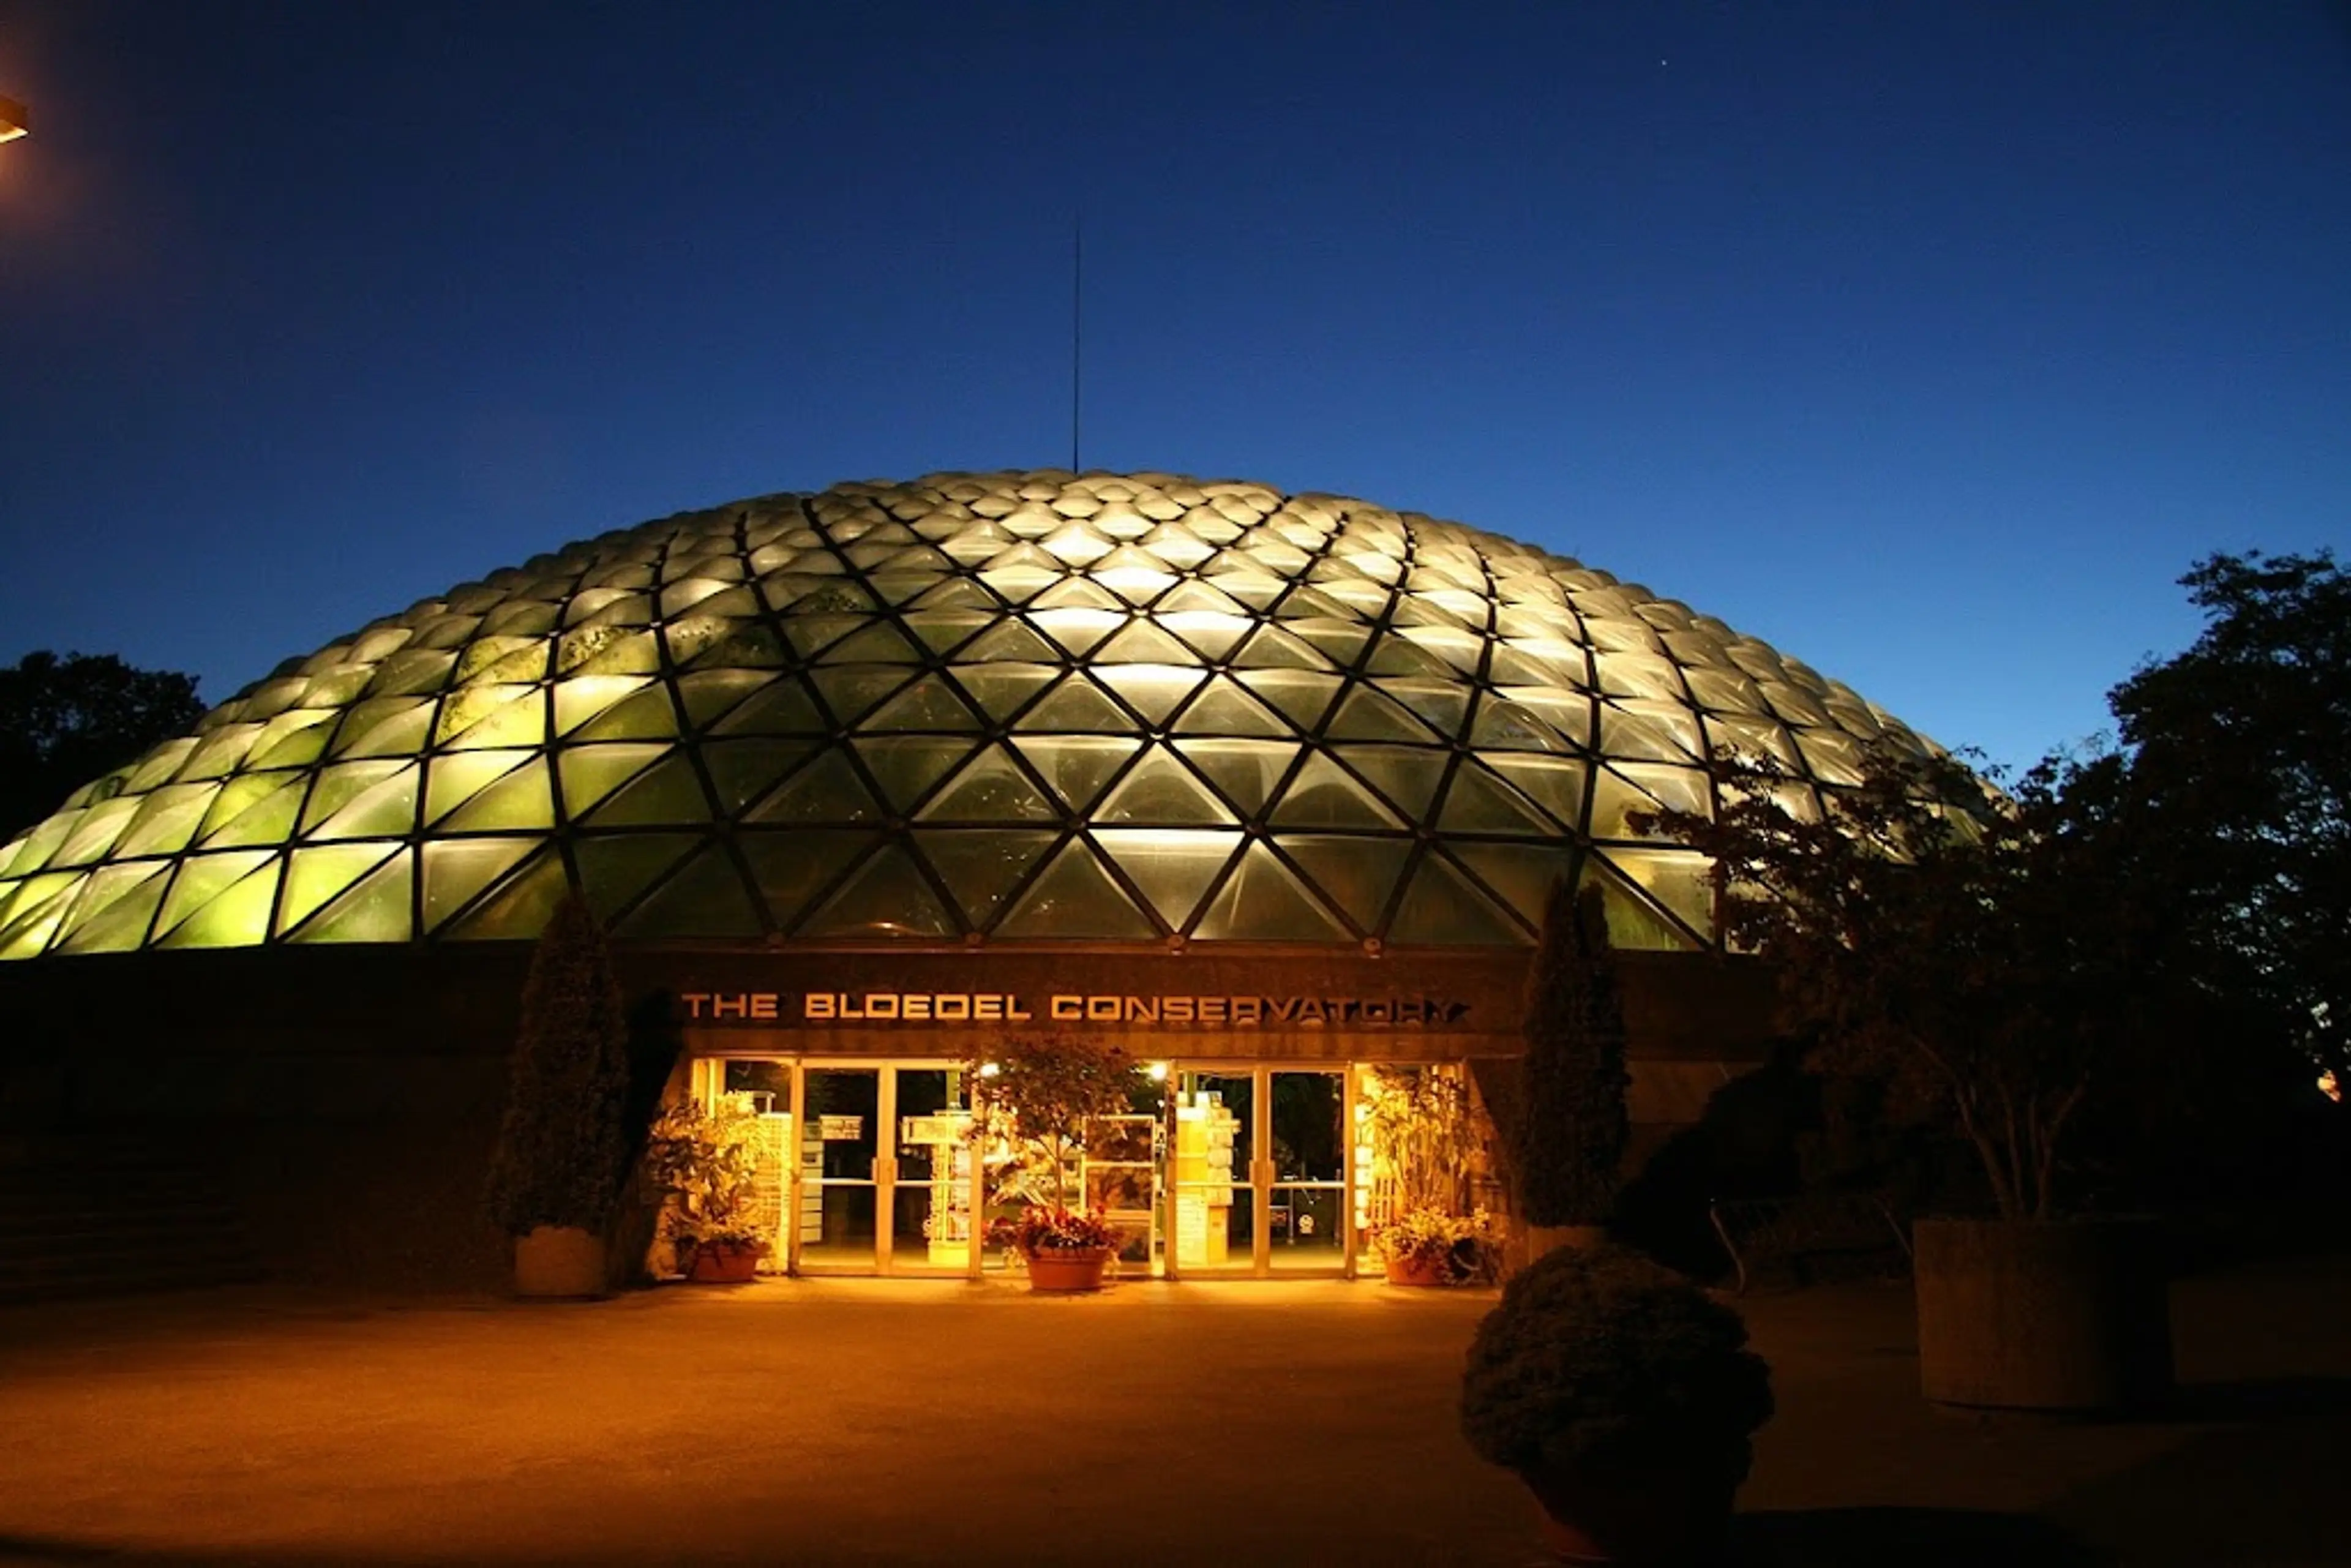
x,y
1049,1227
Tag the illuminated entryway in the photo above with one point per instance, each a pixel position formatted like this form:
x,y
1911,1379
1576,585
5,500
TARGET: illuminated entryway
x,y
1219,1171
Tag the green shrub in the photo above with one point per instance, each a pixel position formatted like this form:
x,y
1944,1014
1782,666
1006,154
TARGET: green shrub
x,y
1599,1357
563,1149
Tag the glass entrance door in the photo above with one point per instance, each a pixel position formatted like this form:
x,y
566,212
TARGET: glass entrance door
x,y
1260,1173
885,1171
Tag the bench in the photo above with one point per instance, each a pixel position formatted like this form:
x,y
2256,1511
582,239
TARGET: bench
x,y
1760,1231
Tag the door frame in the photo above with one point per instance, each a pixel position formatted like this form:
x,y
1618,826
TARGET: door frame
x,y
1262,1177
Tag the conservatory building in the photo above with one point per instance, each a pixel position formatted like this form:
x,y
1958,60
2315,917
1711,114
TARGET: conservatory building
x,y
1267,789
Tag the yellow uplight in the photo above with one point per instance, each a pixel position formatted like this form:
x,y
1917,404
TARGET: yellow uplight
x,y
12,121
1156,1072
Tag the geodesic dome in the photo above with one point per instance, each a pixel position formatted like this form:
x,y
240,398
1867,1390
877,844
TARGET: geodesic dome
x,y
969,708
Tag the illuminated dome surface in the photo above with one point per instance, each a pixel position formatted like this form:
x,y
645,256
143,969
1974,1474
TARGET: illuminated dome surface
x,y
1009,707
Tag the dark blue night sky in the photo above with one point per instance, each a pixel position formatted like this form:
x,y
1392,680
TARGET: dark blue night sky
x,y
1929,342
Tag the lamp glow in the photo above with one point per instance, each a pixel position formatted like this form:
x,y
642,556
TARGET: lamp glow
x,y
14,122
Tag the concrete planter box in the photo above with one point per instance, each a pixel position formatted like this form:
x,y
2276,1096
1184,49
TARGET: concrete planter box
x,y
2058,1315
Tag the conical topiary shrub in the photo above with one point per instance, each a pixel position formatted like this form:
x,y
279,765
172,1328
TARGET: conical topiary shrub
x,y
1572,1128
563,1149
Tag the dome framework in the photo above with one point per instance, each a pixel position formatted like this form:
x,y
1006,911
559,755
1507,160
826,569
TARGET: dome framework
x,y
994,707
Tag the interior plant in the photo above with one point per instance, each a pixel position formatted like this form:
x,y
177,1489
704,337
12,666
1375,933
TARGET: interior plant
x,y
1424,1227
1572,1124
706,1163
1627,1400
1041,1091
1431,1246
562,1152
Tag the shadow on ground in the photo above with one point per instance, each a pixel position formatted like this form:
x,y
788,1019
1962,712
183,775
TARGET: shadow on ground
x,y
1912,1537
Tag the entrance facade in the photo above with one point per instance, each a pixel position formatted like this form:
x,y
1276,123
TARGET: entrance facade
x,y
1220,1171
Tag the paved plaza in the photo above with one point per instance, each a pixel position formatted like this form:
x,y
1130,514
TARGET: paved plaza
x,y
874,1422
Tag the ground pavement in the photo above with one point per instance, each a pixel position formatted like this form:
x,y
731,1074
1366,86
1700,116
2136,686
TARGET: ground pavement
x,y
887,1422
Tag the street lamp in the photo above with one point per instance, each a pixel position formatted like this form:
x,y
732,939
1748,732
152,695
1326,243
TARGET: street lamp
x,y
12,122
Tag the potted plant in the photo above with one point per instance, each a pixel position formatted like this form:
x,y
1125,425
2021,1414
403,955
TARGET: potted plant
x,y
1988,961
1625,1396
562,1153
1065,1251
1430,1247
1039,1092
706,1163
1572,1124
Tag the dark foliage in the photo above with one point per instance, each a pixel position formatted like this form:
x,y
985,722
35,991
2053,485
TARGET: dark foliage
x,y
564,1149
65,722
1598,1356
1572,1124
2241,752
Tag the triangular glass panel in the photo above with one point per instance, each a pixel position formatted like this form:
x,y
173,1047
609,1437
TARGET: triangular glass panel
x,y
1143,643
1153,690
1357,873
959,593
167,820
880,644
745,647
1504,726
826,790
1077,630
200,879
851,691
1173,866
1515,666
1479,802
1271,648
522,798
981,867
607,651
1406,776
1644,737
1177,545
783,706
908,766
121,924
1441,907
1247,772
667,794
236,916
1341,642
614,869
455,777
1323,795
339,785
582,697
1077,767
1369,599
1263,901
1224,708
106,888
1521,874
36,917
898,587
386,727
457,868
1394,656
1013,642
592,772
1076,897
385,807
742,770
1303,695
991,787
1554,783
706,899
928,703
1634,921
888,897
648,714
942,629
1192,596
1308,604
379,909
792,867
1752,737
314,876
1682,881
1161,790
812,634
1212,633
1003,690
488,718
1076,593
1568,712
1078,706
1366,715
103,822
1253,588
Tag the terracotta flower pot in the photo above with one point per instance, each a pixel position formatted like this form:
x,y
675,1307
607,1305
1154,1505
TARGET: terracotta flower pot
x,y
1665,1515
1064,1269
721,1263
1418,1268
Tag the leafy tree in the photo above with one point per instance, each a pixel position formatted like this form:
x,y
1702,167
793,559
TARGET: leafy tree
x,y
1049,1087
1573,1125
1990,958
65,722
563,1149
2241,750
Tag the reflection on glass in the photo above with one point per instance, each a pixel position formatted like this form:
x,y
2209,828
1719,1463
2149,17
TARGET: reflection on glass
x,y
1305,1222
837,1150
930,1215
1215,1211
